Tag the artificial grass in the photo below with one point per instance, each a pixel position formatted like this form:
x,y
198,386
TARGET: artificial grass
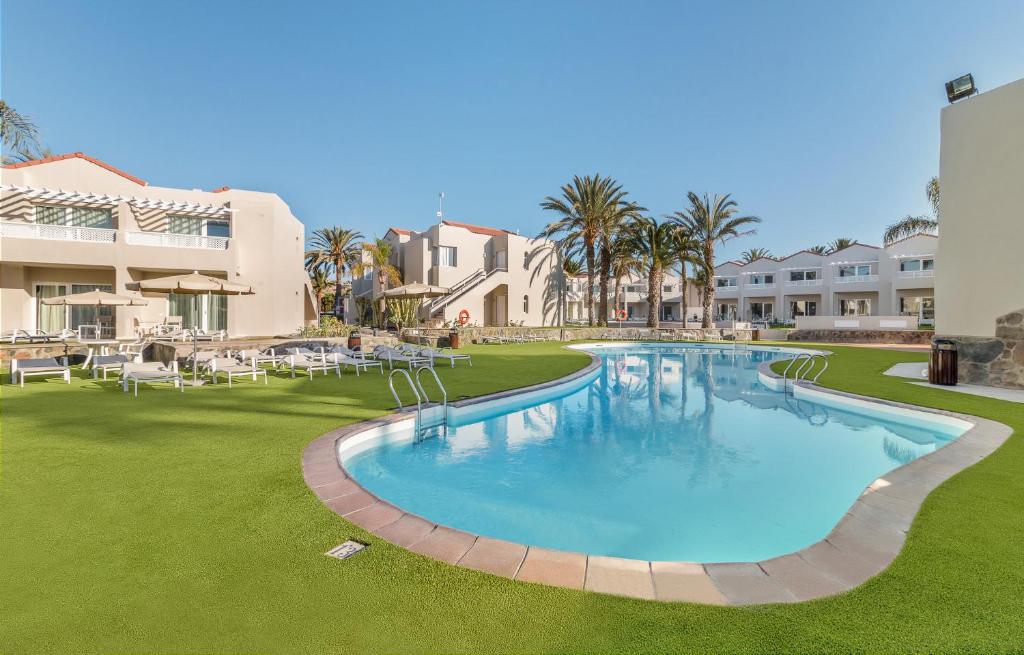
x,y
181,523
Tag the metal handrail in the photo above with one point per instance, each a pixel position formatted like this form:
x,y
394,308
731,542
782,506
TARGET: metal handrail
x,y
444,394
809,365
398,401
792,361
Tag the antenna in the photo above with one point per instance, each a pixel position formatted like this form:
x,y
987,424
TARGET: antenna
x,y
440,205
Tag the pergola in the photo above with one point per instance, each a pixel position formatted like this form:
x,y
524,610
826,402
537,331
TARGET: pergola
x,y
106,200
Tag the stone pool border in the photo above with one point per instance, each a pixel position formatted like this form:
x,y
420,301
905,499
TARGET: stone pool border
x,y
862,544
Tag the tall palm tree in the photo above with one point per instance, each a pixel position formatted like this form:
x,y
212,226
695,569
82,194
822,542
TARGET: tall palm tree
x,y
912,225
377,258
711,222
753,254
617,213
320,282
840,243
571,267
656,246
624,263
18,133
337,249
588,208
689,253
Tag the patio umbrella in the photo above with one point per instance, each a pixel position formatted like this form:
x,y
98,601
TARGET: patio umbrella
x,y
94,298
415,290
194,284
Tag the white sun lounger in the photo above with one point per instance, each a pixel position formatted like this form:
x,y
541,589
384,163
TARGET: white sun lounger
x,y
108,363
440,354
230,367
148,373
300,362
391,355
23,368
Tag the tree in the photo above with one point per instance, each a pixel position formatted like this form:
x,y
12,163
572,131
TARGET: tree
x,y
377,259
570,269
689,253
18,133
589,208
753,254
711,222
840,243
912,225
336,249
818,250
624,263
655,246
320,282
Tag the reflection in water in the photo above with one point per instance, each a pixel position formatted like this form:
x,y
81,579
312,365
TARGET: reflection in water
x,y
670,453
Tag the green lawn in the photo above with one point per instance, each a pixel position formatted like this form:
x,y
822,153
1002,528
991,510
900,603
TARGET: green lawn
x,y
181,523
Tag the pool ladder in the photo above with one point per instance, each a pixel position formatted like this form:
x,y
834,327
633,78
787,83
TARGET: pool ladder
x,y
806,368
421,431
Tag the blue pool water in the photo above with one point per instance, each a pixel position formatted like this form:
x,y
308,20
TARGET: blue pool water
x,y
666,453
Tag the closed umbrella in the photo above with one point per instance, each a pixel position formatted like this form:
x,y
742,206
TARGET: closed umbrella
x,y
194,284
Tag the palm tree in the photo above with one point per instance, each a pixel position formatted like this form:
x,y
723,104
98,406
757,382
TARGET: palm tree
x,y
624,263
818,250
589,207
710,222
377,258
18,133
617,213
912,225
571,268
320,282
753,254
840,243
335,248
656,246
688,250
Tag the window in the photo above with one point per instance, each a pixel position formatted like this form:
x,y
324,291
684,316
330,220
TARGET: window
x,y
855,271
526,304
667,288
526,261
855,307
726,312
666,313
75,216
185,225
725,282
445,256
212,310
927,264
803,308
57,317
923,307
762,278
761,311
218,229
799,276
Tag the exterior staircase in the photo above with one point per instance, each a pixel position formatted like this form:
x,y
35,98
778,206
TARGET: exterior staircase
x,y
461,288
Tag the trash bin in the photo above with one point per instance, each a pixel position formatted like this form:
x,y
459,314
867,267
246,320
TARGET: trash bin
x,y
942,366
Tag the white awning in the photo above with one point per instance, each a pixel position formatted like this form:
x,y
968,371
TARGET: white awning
x,y
927,255
106,200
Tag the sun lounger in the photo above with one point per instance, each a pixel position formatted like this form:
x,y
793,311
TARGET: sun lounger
x,y
149,373
108,363
23,368
358,363
39,336
203,335
230,367
300,362
436,354
258,357
392,355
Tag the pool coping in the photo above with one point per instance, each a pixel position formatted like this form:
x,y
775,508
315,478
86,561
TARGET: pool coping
x,y
861,545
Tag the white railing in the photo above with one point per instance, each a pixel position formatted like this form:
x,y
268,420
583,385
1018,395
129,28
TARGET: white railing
x,y
849,279
57,232
803,283
759,285
730,289
911,274
171,240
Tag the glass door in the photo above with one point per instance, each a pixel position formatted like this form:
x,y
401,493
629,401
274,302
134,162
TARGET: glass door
x,y
50,318
101,317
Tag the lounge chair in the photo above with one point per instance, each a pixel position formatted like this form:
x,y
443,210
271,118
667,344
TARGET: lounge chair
x,y
107,363
230,367
448,356
392,355
300,362
258,357
22,368
358,363
149,373
203,335
39,336
202,358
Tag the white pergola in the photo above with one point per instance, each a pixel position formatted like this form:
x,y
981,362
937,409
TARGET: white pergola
x,y
105,200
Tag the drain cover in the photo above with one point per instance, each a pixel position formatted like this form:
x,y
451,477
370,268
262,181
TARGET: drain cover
x,y
345,550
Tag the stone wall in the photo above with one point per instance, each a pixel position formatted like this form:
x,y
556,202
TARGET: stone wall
x,y
994,361
909,337
477,334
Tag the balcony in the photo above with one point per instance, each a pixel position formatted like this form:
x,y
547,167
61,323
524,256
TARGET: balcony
x,y
906,275
51,232
851,279
759,285
803,283
170,240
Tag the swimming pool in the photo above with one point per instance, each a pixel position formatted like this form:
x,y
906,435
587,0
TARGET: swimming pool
x,y
665,452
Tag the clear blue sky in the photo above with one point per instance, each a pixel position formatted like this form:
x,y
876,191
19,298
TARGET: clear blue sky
x,y
822,118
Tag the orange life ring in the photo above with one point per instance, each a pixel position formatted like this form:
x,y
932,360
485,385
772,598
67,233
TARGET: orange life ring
x,y
620,314
464,317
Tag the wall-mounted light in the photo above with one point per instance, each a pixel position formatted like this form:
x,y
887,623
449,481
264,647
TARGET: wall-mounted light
x,y
961,87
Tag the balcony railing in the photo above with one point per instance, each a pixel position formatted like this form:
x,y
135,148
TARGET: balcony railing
x,y
803,283
171,240
849,279
57,232
759,285
913,274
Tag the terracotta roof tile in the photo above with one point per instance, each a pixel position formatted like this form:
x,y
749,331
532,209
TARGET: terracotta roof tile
x,y
78,155
477,229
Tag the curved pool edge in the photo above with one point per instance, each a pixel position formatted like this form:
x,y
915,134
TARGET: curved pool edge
x,y
861,545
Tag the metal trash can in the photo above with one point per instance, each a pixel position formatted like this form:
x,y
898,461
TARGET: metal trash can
x,y
942,365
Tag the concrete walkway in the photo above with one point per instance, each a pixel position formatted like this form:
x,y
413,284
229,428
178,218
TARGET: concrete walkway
x,y
919,371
